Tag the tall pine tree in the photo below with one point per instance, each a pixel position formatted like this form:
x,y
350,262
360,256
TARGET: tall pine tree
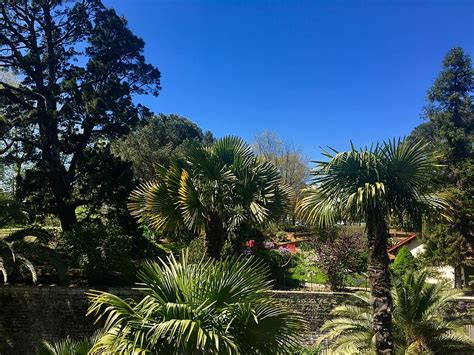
x,y
450,115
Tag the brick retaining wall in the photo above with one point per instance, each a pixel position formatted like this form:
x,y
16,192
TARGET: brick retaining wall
x,y
31,313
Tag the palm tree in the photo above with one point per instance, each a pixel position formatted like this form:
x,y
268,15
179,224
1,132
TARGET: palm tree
x,y
422,321
370,185
68,346
209,307
9,259
214,191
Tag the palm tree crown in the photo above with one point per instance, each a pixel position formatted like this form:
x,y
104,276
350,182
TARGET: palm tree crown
x,y
370,185
213,191
388,178
210,307
423,321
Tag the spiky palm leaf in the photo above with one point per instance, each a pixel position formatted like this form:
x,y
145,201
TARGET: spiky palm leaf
x,y
68,346
208,307
224,180
10,259
371,185
421,321
390,178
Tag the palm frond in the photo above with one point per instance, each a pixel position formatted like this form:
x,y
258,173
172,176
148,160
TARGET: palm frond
x,y
419,321
209,307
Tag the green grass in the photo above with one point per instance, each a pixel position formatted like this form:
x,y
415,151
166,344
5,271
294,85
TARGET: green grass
x,y
308,273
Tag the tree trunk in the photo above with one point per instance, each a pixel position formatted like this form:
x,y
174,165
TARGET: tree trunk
x,y
67,217
379,278
215,237
457,277
62,191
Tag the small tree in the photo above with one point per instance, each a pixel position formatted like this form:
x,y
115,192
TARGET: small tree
x,y
289,160
404,262
340,251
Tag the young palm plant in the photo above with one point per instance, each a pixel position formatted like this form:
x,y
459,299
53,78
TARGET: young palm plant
x,y
214,191
210,307
423,321
9,259
68,346
370,185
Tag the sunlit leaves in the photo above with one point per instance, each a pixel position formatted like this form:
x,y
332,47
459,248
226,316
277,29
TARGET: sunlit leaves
x,y
208,307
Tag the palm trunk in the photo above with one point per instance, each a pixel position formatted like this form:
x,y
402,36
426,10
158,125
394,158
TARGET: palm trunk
x,y
379,278
215,237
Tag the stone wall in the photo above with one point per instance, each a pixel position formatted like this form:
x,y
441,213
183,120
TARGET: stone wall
x,y
31,313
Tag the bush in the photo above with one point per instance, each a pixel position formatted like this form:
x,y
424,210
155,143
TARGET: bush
x,y
341,251
279,264
404,262
196,249
103,252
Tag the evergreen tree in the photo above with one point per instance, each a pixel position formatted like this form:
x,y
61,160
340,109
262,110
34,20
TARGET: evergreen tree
x,y
404,262
450,115
79,67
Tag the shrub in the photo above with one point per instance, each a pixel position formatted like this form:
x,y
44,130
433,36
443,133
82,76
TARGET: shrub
x,y
404,262
279,264
210,307
339,251
102,251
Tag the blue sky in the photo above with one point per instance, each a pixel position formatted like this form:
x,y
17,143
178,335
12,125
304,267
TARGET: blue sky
x,y
317,73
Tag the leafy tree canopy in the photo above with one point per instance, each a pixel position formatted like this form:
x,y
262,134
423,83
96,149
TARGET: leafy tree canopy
x,y
78,67
450,131
216,191
157,141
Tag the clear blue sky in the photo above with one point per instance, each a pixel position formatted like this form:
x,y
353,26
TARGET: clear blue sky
x,y
317,72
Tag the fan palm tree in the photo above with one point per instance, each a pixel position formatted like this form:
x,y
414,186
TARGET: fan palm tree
x,y
214,191
68,346
210,307
9,259
422,321
370,185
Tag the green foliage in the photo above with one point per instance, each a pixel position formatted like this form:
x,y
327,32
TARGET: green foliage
x,y
158,141
103,252
74,98
423,321
280,264
340,252
11,262
12,213
207,307
219,191
370,185
197,249
404,262
444,245
450,114
68,346
313,349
